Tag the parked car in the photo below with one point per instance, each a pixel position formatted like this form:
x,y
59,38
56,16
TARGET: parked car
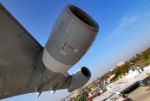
x,y
144,82
94,93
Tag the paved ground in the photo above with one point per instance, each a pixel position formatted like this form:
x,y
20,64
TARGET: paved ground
x,y
140,94
119,86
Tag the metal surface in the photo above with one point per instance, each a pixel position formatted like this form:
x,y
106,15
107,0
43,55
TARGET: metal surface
x,y
71,37
24,68
18,55
79,79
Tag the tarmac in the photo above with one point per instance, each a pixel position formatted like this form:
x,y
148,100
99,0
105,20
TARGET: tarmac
x,y
140,94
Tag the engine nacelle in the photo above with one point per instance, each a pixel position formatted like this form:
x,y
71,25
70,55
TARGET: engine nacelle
x,y
79,79
71,37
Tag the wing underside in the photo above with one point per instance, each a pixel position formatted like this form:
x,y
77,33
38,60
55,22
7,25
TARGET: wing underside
x,y
18,49
18,53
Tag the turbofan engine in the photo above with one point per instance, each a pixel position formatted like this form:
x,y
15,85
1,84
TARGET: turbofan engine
x,y
71,37
79,79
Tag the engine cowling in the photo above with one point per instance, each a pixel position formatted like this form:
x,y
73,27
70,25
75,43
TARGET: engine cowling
x,y
71,37
79,79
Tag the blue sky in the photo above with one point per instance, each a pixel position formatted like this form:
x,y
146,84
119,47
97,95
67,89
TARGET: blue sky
x,y
124,31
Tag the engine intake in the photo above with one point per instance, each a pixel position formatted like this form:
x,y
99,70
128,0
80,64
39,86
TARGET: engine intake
x,y
86,72
83,16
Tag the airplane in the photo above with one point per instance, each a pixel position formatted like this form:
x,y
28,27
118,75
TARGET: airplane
x,y
27,67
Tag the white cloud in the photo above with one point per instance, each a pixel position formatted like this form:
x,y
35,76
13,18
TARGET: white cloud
x,y
124,22
128,20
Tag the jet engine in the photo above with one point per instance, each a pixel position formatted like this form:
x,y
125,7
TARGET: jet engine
x,y
79,79
71,37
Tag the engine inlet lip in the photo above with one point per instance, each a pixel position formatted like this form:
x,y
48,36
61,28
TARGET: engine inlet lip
x,y
83,16
86,72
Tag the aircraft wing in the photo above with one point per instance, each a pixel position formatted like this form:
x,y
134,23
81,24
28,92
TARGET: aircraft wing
x,y
20,53
18,49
